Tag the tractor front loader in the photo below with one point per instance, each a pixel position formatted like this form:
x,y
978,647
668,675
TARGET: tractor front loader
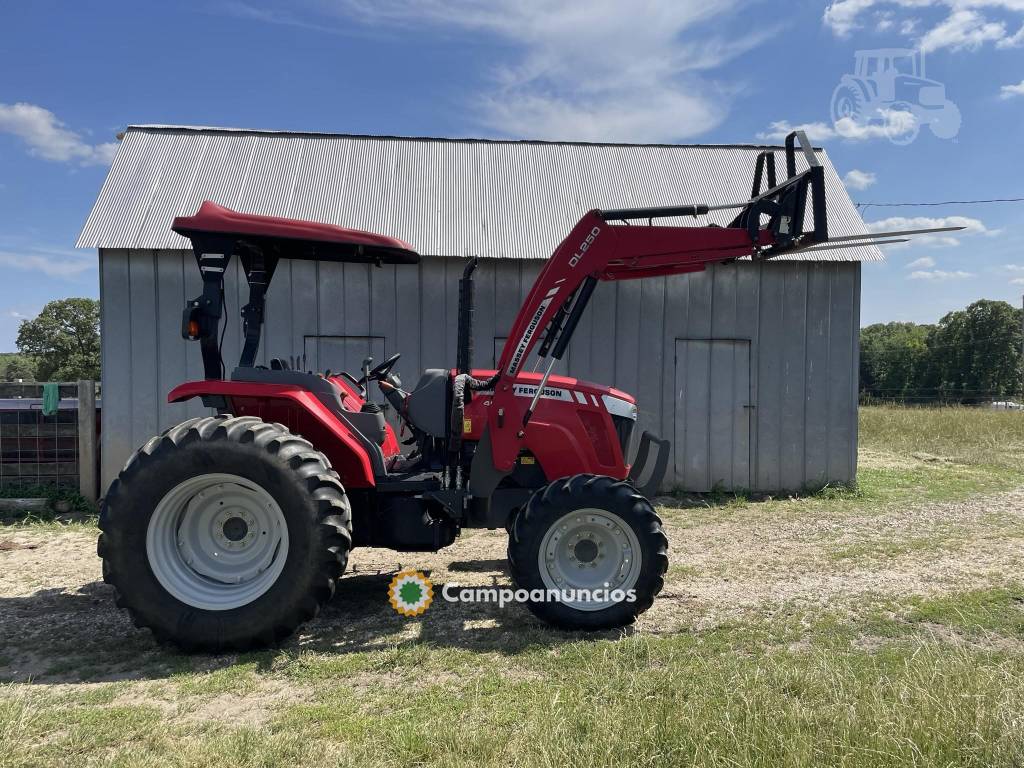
x,y
230,530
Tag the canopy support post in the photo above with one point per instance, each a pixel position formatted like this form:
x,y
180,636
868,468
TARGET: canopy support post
x,y
201,317
259,271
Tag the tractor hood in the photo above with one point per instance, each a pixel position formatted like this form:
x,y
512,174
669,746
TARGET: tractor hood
x,y
569,389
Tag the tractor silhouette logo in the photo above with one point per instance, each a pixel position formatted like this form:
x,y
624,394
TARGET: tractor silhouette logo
x,y
889,81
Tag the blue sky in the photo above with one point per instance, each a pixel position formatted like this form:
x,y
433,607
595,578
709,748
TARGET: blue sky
x,y
73,74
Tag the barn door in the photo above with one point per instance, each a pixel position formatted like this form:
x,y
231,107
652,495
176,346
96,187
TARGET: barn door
x,y
713,414
342,353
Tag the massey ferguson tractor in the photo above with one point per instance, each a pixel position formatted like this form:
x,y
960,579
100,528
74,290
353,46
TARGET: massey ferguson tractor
x,y
230,530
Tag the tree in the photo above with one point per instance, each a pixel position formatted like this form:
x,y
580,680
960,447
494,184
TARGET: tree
x,y
976,352
972,355
893,359
14,366
64,339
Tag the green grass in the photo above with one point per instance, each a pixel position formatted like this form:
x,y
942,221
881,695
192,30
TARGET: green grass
x,y
882,680
891,549
973,436
795,689
999,611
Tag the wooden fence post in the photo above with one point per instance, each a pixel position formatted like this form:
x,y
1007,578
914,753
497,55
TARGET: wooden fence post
x,y
87,469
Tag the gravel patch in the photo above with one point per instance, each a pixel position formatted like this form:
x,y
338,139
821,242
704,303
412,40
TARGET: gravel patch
x,y
58,622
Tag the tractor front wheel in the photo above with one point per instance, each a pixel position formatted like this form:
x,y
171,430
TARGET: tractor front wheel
x,y
225,533
591,552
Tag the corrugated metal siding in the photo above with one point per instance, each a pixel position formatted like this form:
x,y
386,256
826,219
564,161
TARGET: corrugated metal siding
x,y
801,320
496,199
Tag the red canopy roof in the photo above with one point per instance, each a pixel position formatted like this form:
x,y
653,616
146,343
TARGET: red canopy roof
x,y
295,238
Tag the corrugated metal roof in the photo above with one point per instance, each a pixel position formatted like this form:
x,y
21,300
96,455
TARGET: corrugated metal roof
x,y
447,197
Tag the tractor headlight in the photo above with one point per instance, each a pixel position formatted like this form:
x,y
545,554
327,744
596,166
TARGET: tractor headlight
x,y
623,415
616,406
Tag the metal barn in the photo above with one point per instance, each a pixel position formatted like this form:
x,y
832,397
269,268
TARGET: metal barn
x,y
749,369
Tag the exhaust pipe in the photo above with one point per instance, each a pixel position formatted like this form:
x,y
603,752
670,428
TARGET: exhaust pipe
x,y
465,348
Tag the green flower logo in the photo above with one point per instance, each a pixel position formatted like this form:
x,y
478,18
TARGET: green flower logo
x,y
410,593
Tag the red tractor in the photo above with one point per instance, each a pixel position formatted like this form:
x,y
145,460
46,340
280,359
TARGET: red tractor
x,y
229,531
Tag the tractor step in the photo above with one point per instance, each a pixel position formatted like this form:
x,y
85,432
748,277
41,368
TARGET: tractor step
x,y
408,482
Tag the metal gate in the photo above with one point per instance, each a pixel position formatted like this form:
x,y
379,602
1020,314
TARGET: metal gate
x,y
38,450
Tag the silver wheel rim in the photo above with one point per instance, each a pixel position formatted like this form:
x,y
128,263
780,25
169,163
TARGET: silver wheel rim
x,y
217,541
590,549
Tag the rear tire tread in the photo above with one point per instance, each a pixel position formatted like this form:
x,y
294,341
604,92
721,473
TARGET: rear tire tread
x,y
333,521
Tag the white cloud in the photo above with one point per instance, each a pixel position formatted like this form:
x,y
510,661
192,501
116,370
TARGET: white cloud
x,y
909,26
1015,269
923,263
962,30
893,124
939,274
601,70
47,137
248,12
1014,41
856,179
60,264
942,239
778,131
625,116
965,27
841,16
1009,91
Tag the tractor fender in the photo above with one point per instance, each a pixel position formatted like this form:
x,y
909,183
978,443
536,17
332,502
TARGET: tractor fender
x,y
300,411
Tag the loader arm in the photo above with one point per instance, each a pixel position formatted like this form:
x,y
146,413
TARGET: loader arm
x,y
594,251
770,223
598,250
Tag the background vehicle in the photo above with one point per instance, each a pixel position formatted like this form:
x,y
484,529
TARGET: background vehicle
x,y
228,531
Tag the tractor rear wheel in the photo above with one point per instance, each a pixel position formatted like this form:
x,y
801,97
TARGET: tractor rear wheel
x,y
225,533
597,543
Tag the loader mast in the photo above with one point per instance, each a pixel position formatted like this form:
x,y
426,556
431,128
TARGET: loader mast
x,y
597,250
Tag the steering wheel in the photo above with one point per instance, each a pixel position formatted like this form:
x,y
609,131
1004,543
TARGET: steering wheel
x,y
382,370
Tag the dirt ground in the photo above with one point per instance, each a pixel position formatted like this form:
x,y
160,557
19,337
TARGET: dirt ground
x,y
58,622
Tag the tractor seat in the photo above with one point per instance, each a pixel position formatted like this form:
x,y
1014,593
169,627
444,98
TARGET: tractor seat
x,y
369,427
